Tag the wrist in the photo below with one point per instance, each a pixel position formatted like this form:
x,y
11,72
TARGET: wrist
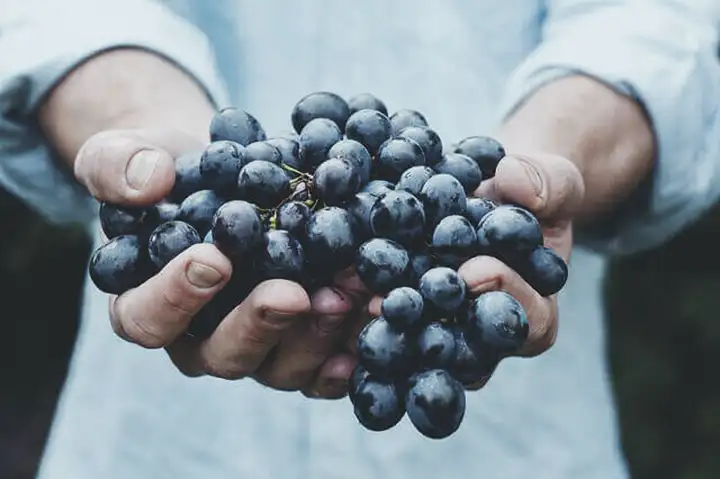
x,y
123,89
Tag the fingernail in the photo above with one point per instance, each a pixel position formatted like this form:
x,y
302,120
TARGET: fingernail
x,y
141,167
203,276
330,323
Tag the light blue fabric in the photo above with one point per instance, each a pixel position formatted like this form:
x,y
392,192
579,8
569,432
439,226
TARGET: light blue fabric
x,y
126,412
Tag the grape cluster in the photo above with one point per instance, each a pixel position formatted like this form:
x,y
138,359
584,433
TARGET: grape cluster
x,y
352,186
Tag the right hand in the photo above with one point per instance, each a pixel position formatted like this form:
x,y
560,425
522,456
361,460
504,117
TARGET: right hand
x,y
278,335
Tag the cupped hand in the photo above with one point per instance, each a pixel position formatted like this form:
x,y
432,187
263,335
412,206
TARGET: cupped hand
x,y
278,335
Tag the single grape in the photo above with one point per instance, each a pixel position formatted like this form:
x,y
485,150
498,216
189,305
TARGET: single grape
x,y
463,168
323,105
116,220
237,229
120,265
199,208
378,405
443,289
329,239
477,208
355,153
435,403
398,216
443,195
360,208
413,179
220,165
336,181
378,188
370,128
545,271
402,308
316,139
496,323
428,140
169,240
233,124
436,346
358,375
264,184
263,151
382,265
289,149
454,241
165,211
187,176
395,156
486,152
283,257
366,101
470,367
383,350
209,238
292,217
402,119
508,231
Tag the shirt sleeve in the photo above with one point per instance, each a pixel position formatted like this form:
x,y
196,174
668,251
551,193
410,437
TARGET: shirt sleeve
x,y
41,41
663,54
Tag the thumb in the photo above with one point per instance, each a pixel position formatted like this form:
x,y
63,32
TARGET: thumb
x,y
131,167
550,186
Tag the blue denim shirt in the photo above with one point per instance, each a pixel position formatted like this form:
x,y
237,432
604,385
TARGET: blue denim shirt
x,y
125,412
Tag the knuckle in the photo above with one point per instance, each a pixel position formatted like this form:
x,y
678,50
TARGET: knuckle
x,y
227,370
180,300
143,332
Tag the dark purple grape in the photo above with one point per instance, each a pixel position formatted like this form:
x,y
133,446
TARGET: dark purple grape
x,y
463,168
263,151
289,149
360,208
283,258
509,231
356,154
435,403
324,105
428,140
403,308
443,289
264,184
292,217
237,229
199,208
398,216
187,176
443,195
336,181
369,127
413,179
395,156
378,188
477,208
358,375
220,165
329,240
486,152
120,265
402,119
165,211
454,241
420,263
382,265
209,238
496,323
378,405
116,220
316,139
545,271
384,351
169,240
233,124
470,367
366,101
436,346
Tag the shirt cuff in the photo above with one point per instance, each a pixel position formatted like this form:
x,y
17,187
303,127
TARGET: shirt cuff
x,y
676,78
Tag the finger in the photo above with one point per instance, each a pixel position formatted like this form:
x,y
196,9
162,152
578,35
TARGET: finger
x,y
332,379
355,327
251,331
549,186
308,343
158,311
485,273
350,282
130,167
375,306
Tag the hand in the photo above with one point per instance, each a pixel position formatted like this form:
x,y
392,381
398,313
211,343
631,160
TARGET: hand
x,y
553,189
278,335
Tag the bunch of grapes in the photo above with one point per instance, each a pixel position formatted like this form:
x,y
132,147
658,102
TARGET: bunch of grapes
x,y
352,187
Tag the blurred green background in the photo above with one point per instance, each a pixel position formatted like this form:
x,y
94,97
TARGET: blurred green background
x,y
664,340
